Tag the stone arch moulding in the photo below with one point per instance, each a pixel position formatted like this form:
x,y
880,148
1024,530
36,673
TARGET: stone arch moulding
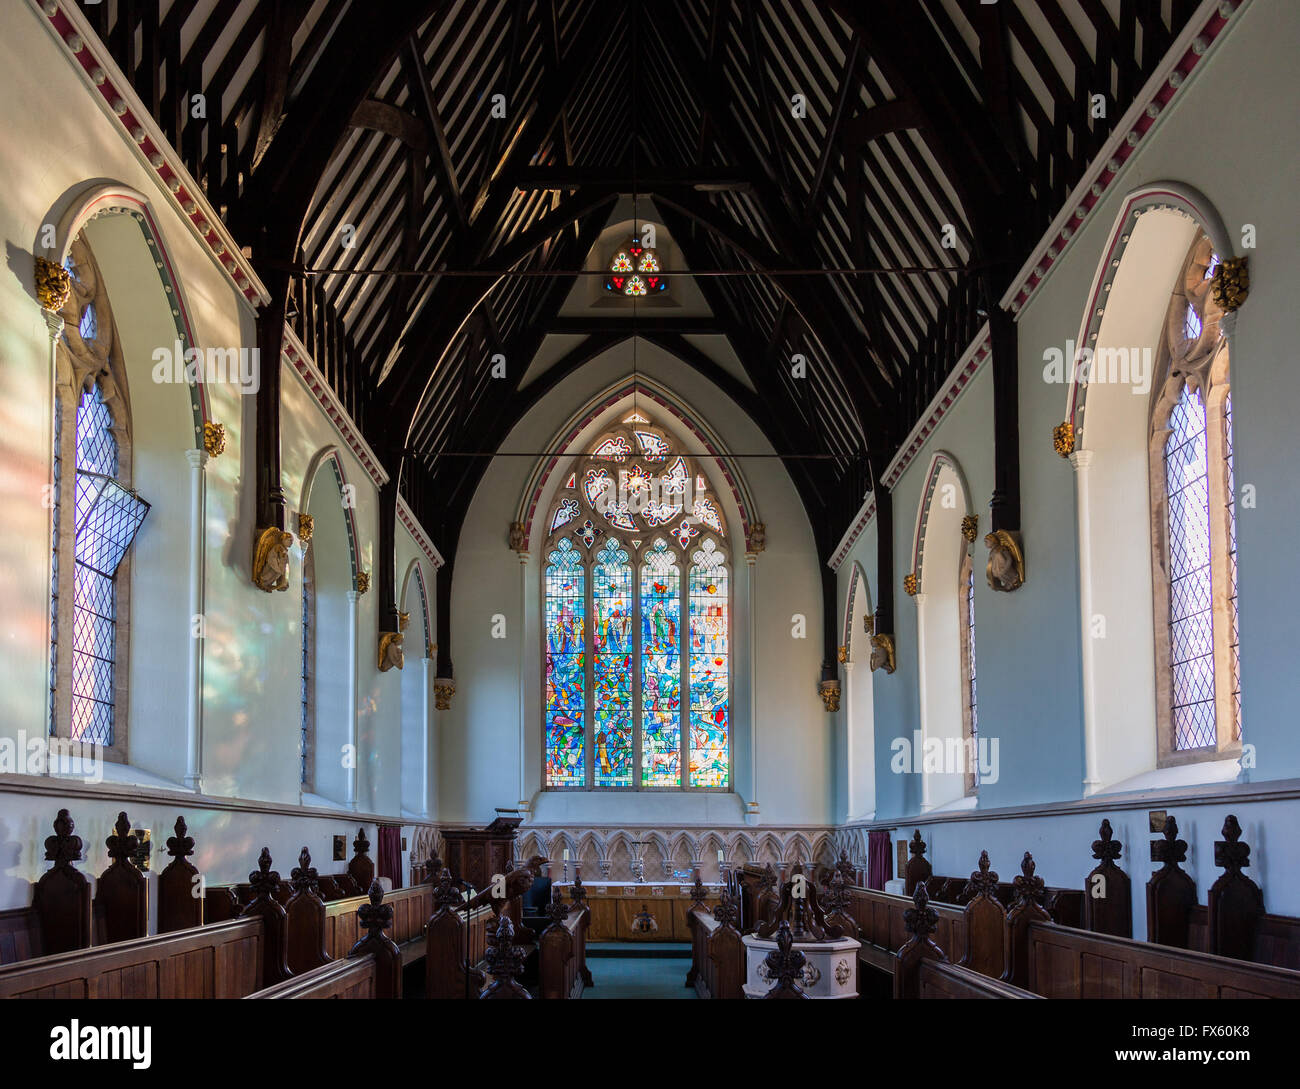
x,y
938,461
857,585
330,455
415,570
105,199
564,438
1158,196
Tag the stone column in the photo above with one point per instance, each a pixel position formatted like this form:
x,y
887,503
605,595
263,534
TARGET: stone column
x,y
524,717
918,757
197,459
751,634
1082,461
430,746
57,383
354,598
850,764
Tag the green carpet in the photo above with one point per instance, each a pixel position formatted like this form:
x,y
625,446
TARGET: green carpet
x,y
639,977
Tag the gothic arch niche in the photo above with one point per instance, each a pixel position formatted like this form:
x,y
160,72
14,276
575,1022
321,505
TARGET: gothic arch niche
x,y
416,742
125,306
637,640
941,564
329,575
859,708
1118,416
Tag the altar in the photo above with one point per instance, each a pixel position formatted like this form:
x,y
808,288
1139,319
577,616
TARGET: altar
x,y
640,911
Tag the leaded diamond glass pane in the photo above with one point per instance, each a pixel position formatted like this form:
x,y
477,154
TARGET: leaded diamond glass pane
x,y
1190,582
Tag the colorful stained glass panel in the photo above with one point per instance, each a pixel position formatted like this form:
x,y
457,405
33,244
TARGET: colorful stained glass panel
x,y
709,760
564,749
661,749
611,604
612,751
565,610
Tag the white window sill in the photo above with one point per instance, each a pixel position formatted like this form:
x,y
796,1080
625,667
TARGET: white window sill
x,y
969,801
101,771
1201,773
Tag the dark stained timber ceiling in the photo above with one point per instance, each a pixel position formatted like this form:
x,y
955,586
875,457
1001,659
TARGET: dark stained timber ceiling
x,y
351,146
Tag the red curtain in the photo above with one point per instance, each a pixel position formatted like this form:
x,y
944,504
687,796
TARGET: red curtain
x,y
880,860
390,853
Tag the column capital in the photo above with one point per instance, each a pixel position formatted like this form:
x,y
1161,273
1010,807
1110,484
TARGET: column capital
x,y
1081,459
54,325
354,596
197,458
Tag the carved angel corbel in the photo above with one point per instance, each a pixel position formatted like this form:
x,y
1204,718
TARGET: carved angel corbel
x,y
1006,566
271,559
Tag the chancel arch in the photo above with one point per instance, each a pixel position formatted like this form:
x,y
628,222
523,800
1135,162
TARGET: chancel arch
x,y
941,584
859,711
1149,437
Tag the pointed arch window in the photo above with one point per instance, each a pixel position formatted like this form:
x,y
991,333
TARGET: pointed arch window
x,y
637,542
1194,531
95,516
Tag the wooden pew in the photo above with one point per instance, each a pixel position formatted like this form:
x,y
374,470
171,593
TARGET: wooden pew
x,y
411,910
121,906
179,904
59,918
561,950
717,951
1232,922
372,968
224,960
941,979
504,962
455,943
1068,963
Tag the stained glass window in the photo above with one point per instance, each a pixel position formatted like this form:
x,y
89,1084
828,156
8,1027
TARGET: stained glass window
x,y
639,547
565,667
634,270
661,670
709,668
1191,627
611,665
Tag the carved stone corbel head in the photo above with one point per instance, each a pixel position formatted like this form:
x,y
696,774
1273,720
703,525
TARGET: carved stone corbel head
x,y
390,650
271,559
882,653
1006,566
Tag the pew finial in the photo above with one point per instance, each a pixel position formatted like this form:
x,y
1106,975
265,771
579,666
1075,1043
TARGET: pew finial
x,y
725,911
361,844
504,962
1230,853
1027,884
578,891
984,881
1170,850
264,880
63,847
785,965
921,920
304,877
917,845
698,892
181,845
121,845
375,916
1106,849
